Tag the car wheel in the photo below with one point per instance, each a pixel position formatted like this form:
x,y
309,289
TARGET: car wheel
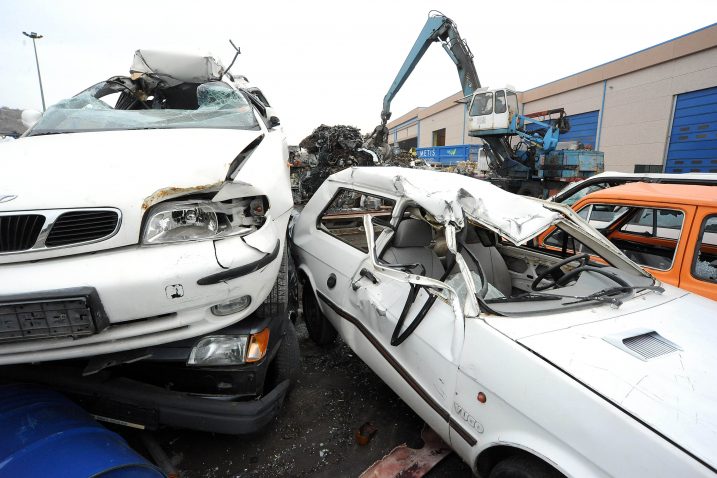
x,y
277,301
523,466
286,365
320,329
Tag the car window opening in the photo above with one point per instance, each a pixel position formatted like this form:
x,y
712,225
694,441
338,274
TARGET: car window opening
x,y
123,103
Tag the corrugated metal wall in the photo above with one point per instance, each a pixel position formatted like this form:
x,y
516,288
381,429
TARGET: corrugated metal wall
x,y
693,138
583,128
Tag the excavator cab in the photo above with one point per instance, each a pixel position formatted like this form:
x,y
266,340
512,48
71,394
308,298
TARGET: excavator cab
x,y
492,109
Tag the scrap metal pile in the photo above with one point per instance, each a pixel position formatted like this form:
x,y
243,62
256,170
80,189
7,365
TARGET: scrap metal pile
x,y
334,148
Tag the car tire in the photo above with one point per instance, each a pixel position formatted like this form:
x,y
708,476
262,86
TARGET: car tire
x,y
523,466
320,329
287,363
277,301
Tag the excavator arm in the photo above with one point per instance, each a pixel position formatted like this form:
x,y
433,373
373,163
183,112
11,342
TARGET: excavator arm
x,y
438,27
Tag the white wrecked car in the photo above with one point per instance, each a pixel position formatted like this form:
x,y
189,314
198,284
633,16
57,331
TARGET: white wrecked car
x,y
528,361
147,210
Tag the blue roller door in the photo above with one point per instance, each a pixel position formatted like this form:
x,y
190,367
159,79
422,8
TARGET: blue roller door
x,y
693,139
583,128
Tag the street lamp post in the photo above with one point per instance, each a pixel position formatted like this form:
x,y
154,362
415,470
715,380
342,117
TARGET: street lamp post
x,y
34,37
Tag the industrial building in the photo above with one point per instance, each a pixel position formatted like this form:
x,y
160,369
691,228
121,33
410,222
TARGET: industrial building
x,y
652,111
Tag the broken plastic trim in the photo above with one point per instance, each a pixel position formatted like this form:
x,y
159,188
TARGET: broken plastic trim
x,y
241,270
241,157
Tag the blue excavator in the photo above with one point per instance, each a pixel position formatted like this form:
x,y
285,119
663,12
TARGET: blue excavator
x,y
520,149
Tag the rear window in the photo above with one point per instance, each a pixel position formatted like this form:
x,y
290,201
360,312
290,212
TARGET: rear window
x,y
343,217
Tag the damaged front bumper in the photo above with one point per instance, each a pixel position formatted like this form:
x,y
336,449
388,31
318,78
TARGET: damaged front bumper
x,y
140,405
159,389
149,295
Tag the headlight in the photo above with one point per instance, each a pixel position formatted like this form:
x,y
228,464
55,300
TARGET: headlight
x,y
178,221
217,350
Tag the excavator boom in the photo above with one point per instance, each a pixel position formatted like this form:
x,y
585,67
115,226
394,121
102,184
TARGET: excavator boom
x,y
438,27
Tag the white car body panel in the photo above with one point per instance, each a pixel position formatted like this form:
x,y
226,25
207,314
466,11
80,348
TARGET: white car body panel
x,y
553,386
132,170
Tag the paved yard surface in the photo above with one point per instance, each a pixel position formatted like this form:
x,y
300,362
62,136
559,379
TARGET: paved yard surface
x,y
313,436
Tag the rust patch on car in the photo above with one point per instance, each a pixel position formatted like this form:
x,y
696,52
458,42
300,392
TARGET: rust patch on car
x,y
172,191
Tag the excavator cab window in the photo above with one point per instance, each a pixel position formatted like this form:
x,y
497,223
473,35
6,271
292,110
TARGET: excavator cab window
x,y
500,105
482,104
512,102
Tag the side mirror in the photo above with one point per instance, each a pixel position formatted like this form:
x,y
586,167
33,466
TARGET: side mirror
x,y
274,122
30,117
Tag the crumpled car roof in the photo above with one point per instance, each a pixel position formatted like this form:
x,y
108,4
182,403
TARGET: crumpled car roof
x,y
447,196
176,68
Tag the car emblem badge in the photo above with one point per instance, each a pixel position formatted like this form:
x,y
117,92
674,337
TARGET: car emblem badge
x,y
7,197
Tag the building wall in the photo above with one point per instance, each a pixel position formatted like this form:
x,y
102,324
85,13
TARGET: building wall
x,y
635,96
638,107
451,119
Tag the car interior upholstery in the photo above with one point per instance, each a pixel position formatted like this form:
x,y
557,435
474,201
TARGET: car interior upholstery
x,y
411,244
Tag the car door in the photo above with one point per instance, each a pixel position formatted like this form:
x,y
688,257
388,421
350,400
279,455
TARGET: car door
x,y
339,247
423,368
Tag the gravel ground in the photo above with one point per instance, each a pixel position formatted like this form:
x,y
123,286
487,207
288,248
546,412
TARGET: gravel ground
x,y
313,435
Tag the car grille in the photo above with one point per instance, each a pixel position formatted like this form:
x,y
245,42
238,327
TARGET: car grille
x,y
81,226
19,232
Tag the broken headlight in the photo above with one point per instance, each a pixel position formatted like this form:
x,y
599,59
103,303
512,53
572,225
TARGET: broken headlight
x,y
179,221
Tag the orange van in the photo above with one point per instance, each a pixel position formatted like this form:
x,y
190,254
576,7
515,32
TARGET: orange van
x,y
669,229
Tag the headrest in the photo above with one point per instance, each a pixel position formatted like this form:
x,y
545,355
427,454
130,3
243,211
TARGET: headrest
x,y
412,233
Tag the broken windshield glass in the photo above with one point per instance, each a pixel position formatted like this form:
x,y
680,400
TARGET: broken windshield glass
x,y
217,106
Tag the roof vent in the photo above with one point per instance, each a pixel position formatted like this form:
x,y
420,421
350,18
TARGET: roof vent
x,y
643,344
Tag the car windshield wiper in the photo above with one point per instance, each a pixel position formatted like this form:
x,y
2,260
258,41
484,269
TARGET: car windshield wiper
x,y
522,298
606,295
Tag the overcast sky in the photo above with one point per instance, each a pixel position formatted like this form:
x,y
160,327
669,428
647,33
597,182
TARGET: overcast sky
x,y
330,62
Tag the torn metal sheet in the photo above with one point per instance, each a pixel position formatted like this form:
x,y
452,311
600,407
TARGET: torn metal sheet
x,y
171,192
405,462
176,68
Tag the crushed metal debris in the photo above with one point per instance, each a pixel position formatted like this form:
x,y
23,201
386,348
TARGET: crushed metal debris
x,y
405,462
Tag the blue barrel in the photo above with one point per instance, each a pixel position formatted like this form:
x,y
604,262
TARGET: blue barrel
x,y
42,433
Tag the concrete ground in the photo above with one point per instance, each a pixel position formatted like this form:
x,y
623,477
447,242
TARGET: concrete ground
x,y
314,434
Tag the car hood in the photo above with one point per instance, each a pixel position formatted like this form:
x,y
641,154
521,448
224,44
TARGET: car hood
x,y
448,196
126,170
114,168
673,392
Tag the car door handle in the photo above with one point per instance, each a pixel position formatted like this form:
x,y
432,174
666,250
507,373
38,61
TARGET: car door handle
x,y
368,275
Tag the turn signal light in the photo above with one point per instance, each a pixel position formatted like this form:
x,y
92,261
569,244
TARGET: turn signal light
x,y
258,343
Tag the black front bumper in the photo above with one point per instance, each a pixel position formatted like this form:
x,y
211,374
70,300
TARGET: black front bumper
x,y
128,402
161,390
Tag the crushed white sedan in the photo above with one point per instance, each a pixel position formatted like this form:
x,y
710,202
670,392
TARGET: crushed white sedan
x,y
530,361
143,221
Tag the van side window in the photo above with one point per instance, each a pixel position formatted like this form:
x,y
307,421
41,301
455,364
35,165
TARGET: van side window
x,y
343,217
650,236
705,265
662,223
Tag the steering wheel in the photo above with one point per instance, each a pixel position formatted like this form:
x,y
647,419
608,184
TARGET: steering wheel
x,y
581,258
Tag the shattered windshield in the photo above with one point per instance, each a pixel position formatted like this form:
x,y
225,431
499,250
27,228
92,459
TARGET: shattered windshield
x,y
121,104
